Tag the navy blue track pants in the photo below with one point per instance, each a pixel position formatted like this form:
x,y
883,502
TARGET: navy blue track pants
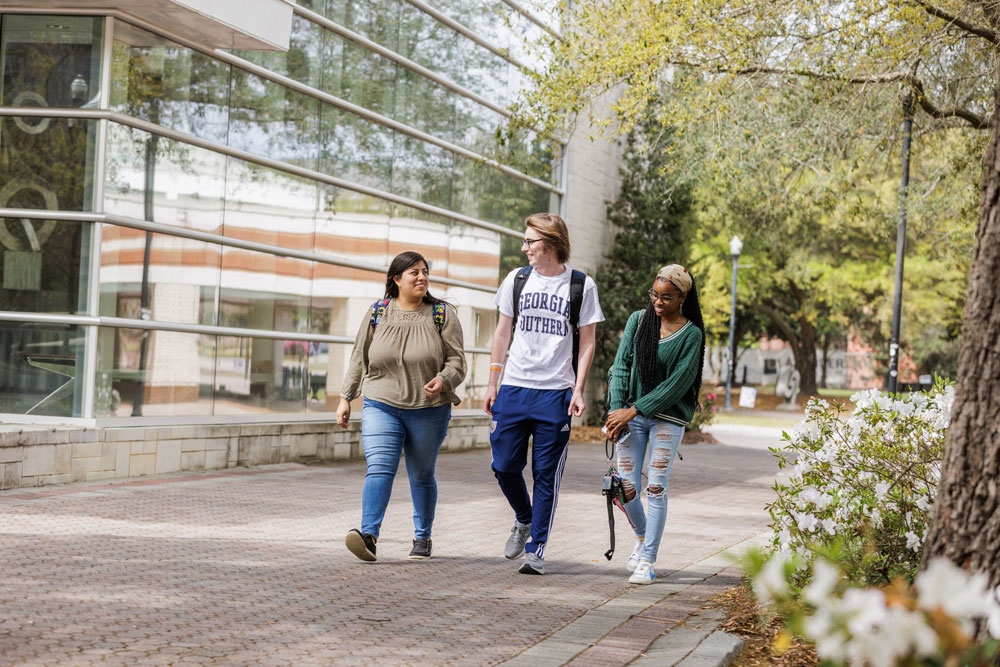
x,y
518,413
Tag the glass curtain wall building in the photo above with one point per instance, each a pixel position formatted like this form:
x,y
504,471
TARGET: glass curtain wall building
x,y
194,233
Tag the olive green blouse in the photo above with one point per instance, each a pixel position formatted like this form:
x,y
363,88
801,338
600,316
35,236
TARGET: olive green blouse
x,y
392,362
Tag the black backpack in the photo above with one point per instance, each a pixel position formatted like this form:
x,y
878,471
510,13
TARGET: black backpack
x,y
576,285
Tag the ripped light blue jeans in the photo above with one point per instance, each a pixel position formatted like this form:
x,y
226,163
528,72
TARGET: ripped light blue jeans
x,y
662,439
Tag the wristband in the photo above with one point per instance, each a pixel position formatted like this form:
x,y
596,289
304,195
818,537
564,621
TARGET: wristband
x,y
496,367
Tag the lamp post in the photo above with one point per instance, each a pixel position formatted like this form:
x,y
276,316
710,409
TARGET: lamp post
x,y
897,299
735,246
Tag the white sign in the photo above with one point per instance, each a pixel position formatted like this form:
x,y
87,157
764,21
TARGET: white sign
x,y
925,379
748,397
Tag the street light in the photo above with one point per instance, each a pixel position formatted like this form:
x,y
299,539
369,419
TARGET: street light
x,y
897,297
735,247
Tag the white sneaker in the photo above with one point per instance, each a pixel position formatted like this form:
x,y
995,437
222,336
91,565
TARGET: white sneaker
x,y
643,574
634,557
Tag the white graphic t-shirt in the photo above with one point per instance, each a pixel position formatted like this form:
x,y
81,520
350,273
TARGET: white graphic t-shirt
x,y
541,353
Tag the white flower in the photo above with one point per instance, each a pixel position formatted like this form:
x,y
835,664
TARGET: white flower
x,y
881,489
912,541
829,525
784,538
825,577
910,629
831,646
865,609
770,584
993,622
924,503
806,522
962,596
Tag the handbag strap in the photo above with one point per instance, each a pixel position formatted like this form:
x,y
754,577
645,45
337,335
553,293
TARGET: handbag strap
x,y
611,526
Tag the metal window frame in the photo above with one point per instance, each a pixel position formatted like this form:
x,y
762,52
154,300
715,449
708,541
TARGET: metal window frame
x,y
94,295
182,327
287,167
534,18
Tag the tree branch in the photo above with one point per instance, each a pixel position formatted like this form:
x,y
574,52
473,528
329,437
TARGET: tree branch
x,y
990,35
779,321
887,77
975,120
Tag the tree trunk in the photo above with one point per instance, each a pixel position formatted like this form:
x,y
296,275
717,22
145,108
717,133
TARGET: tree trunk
x,y
805,358
965,520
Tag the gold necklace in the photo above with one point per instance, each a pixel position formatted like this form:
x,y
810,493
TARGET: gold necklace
x,y
673,327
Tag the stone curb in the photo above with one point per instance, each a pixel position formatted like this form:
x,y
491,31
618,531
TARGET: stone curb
x,y
660,624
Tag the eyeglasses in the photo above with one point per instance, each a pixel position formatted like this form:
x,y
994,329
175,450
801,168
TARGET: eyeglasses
x,y
526,243
662,298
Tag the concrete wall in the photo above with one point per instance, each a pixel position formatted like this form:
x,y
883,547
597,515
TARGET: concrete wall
x,y
592,182
38,456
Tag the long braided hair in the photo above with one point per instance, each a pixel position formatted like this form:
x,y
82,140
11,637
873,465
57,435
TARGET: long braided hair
x,y
647,340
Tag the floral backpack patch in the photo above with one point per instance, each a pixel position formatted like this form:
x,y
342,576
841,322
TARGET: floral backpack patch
x,y
380,307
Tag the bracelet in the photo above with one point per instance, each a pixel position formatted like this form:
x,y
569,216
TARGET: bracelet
x,y
496,367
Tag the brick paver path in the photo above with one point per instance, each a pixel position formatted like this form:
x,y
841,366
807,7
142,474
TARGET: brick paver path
x,y
249,567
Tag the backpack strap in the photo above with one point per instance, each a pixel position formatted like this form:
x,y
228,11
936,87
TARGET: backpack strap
x,y
378,311
576,284
439,311
379,308
519,280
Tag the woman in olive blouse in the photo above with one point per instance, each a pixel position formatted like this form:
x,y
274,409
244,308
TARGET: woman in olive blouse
x,y
407,361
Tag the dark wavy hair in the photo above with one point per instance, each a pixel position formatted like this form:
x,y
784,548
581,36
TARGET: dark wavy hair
x,y
647,338
400,264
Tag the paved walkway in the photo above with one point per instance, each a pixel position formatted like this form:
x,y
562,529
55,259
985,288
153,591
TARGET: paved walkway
x,y
249,567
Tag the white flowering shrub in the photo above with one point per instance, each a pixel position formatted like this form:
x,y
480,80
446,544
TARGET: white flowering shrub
x,y
929,623
862,483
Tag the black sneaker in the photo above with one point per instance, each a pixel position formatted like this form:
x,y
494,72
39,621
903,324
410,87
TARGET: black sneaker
x,y
361,545
421,549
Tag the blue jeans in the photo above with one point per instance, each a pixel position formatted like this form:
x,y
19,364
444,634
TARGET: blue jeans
x,y
386,433
665,438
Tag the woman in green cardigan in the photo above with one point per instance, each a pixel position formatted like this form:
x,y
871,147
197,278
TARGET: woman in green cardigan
x,y
652,395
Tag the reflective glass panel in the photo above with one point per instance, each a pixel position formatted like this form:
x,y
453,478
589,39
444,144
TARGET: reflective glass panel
x,y
356,149
51,61
303,61
353,226
160,180
261,290
163,82
422,171
44,264
182,276
153,373
41,369
274,121
261,376
47,163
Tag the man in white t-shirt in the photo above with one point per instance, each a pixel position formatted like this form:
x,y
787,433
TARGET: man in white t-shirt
x,y
542,387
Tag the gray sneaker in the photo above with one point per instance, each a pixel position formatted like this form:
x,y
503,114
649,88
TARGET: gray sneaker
x,y
533,564
515,543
